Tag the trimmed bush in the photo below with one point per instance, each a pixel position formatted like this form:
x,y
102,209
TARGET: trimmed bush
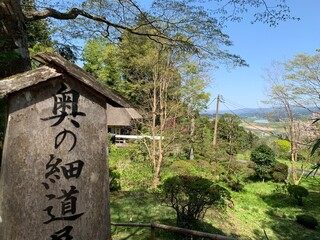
x,y
264,158
307,221
280,167
263,155
298,192
190,196
280,172
279,177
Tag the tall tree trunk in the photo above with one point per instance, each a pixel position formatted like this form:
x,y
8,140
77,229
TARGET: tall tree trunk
x,y
14,55
154,117
294,153
192,130
294,132
156,175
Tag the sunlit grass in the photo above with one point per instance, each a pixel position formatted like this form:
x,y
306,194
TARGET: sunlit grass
x,y
257,208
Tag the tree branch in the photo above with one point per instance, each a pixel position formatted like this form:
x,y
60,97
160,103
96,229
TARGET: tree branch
x,y
75,12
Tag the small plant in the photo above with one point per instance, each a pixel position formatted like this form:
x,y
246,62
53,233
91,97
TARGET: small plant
x,y
114,179
281,189
307,221
298,192
235,185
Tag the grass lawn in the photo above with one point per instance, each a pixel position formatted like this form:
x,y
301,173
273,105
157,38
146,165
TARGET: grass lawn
x,y
257,208
139,207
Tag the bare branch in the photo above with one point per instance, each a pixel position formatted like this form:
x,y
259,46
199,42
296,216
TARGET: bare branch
x,y
75,12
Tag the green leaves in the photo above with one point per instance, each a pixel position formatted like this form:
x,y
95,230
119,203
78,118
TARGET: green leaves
x,y
190,196
264,158
263,155
315,147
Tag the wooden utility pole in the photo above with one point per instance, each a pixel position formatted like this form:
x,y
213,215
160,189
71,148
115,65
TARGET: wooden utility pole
x,y
216,122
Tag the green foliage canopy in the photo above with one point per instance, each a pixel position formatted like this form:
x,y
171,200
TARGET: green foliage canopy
x,y
234,135
264,157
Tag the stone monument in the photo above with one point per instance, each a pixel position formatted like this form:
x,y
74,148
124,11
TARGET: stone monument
x,y
54,172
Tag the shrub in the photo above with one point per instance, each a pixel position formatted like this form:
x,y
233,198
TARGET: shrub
x,y
282,148
279,177
204,168
298,192
236,186
280,167
182,167
264,158
191,196
280,172
198,168
263,155
307,221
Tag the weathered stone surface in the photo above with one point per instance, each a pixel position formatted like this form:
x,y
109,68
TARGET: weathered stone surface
x,y
27,79
44,191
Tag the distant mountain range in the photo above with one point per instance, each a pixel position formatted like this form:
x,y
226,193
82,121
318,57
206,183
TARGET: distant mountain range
x,y
267,113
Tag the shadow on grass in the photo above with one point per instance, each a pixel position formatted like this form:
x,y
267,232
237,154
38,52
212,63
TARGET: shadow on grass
x,y
278,200
143,207
282,216
288,229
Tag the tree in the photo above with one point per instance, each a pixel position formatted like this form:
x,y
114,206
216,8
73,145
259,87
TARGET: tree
x,y
264,158
295,84
235,136
141,69
103,60
283,98
38,31
304,72
280,172
164,81
193,95
199,26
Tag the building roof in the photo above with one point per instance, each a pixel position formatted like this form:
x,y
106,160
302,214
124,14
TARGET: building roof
x,y
55,66
121,116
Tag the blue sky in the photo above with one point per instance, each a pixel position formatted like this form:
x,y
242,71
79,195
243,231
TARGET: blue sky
x,y
259,45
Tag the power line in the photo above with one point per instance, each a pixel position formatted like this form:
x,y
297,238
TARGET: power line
x,y
238,106
212,101
265,131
